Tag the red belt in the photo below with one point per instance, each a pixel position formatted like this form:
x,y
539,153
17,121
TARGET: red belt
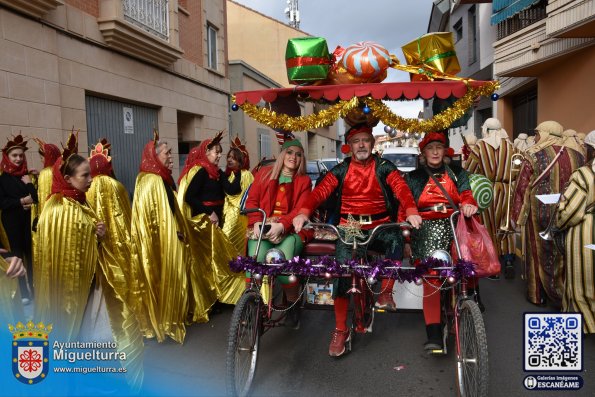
x,y
212,203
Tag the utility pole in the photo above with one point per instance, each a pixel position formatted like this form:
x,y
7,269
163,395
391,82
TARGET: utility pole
x,y
293,14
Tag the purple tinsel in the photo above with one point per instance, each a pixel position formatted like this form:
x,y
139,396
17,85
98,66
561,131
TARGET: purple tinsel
x,y
380,268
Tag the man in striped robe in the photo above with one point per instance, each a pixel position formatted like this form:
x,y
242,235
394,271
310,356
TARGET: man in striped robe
x,y
576,216
492,157
546,170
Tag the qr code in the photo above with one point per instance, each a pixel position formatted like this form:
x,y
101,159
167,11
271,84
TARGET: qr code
x,y
553,342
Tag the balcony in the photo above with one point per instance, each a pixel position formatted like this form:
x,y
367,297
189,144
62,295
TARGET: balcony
x,y
144,29
530,51
522,19
571,18
34,8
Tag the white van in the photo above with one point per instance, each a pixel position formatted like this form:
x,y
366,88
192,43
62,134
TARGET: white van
x,y
405,158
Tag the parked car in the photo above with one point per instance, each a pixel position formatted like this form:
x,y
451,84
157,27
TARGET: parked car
x,y
327,164
405,158
313,170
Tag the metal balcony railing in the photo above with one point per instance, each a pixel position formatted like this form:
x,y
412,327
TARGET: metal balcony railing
x,y
150,15
523,19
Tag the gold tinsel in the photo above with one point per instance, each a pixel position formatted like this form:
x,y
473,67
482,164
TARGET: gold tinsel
x,y
324,118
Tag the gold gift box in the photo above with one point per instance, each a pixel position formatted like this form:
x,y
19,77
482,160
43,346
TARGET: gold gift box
x,y
436,51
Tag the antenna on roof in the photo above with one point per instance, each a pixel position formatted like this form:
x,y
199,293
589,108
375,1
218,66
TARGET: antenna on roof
x,y
293,14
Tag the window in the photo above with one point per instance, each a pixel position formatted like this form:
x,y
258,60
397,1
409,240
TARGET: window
x,y
472,35
264,149
212,46
458,30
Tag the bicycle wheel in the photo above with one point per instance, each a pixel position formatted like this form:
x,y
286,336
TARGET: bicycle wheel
x,y
472,359
242,344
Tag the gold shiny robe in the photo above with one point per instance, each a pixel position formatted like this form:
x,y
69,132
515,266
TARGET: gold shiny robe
x,y
71,259
11,307
210,247
44,189
161,259
109,200
235,225
69,254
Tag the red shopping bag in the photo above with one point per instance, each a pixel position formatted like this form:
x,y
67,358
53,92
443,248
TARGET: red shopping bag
x,y
477,247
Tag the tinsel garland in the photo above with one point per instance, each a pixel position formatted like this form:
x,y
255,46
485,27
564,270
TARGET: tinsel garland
x,y
329,267
327,117
324,118
441,121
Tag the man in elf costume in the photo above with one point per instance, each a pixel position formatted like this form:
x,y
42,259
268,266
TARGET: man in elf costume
x,y
370,191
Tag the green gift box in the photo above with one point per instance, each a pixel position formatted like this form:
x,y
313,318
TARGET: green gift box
x,y
307,59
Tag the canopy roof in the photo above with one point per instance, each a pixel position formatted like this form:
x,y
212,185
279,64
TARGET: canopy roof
x,y
394,91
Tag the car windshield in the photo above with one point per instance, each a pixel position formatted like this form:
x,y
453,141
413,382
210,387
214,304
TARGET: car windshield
x,y
329,164
402,159
312,170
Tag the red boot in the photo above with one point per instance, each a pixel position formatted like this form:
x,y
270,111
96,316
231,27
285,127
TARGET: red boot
x,y
385,299
340,341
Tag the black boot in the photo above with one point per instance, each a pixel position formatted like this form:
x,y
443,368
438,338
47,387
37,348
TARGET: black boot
x,y
292,318
434,343
509,271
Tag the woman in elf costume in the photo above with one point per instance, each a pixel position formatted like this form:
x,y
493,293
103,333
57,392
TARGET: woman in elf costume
x,y
435,209
235,224
159,249
17,195
281,190
201,198
78,293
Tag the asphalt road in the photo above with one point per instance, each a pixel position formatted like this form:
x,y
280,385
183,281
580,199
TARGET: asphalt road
x,y
388,362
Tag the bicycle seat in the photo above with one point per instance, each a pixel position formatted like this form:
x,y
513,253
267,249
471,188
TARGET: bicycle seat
x,y
319,248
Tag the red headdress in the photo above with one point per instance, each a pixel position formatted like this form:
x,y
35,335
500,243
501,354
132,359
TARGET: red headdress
x,y
59,184
8,166
150,162
356,129
237,144
49,151
437,137
432,137
198,156
100,160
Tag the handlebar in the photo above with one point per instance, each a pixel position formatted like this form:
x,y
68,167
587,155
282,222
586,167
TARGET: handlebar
x,y
264,221
355,242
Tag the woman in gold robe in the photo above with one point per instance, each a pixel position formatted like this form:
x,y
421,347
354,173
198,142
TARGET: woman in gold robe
x,y
235,225
201,197
109,199
50,154
77,293
159,247
576,216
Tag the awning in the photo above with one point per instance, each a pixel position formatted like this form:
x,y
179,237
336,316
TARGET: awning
x,y
504,9
333,93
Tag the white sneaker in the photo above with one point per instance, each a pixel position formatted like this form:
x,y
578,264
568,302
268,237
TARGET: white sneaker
x,y
26,301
